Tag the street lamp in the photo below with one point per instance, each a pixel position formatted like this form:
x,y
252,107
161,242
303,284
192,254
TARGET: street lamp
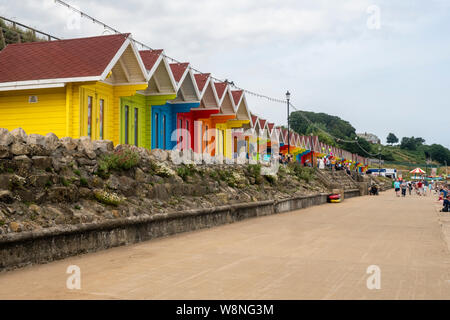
x,y
379,162
288,97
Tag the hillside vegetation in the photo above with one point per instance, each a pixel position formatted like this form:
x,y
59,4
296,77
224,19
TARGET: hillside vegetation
x,y
332,130
10,34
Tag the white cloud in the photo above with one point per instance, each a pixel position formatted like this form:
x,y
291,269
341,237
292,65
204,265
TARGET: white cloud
x,y
322,50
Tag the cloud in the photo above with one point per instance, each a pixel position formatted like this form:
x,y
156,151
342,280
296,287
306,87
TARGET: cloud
x,y
322,51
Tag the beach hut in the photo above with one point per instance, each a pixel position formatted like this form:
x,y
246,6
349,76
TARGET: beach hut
x,y
176,114
69,87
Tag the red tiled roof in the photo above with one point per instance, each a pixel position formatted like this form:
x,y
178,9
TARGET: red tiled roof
x,y
271,125
201,79
178,70
237,94
73,58
254,119
262,123
220,88
149,57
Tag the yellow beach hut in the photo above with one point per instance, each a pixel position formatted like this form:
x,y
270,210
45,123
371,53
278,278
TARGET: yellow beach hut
x,y
69,87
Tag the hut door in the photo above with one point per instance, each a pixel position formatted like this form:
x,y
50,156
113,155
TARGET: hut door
x,y
93,115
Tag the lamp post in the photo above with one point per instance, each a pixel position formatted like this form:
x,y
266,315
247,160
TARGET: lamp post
x,y
446,174
288,97
379,161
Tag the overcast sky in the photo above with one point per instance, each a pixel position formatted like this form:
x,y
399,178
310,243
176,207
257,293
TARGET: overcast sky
x,y
382,65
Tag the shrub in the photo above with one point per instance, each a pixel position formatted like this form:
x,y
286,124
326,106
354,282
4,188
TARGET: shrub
x,y
187,171
271,179
301,172
77,172
124,159
254,171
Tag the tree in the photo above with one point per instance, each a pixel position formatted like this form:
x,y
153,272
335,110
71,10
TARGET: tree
x,y
411,143
391,138
439,153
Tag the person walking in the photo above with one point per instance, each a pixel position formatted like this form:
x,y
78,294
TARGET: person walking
x,y
409,187
419,187
404,186
397,187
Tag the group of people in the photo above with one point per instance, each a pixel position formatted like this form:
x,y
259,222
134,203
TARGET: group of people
x,y
285,158
422,188
332,164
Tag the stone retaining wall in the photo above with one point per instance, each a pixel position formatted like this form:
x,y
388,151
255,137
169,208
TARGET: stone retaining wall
x,y
352,193
20,249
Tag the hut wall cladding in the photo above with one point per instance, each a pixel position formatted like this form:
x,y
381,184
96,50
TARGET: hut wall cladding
x,y
21,249
49,112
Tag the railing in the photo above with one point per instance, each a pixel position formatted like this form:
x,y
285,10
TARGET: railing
x,y
15,28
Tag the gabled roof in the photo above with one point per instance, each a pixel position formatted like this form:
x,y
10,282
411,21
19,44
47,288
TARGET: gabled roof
x,y
262,123
270,126
151,57
201,80
254,120
242,110
280,134
187,90
179,71
48,63
237,96
225,103
161,79
220,88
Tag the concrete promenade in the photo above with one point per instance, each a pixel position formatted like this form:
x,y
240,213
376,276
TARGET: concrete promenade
x,y
321,252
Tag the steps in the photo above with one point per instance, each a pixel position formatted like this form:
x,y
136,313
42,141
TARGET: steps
x,y
336,179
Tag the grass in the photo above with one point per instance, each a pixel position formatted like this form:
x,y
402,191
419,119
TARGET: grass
x,y
64,182
83,182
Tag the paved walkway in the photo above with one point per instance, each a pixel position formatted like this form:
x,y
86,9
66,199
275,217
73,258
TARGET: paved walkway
x,y
317,253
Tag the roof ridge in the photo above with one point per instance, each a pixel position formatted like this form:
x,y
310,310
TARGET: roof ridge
x,y
67,40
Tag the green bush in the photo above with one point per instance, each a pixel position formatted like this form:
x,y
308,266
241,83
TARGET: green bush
x,y
186,171
301,172
254,171
124,159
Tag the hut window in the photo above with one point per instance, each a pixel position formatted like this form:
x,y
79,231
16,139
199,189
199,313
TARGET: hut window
x,y
136,125
89,119
156,130
164,132
102,111
126,124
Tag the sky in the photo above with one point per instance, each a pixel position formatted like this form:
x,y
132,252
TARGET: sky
x,y
384,65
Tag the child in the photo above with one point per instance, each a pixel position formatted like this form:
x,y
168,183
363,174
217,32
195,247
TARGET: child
x,y
446,204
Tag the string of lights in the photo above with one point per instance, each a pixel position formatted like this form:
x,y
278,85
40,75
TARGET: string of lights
x,y
144,46
231,83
